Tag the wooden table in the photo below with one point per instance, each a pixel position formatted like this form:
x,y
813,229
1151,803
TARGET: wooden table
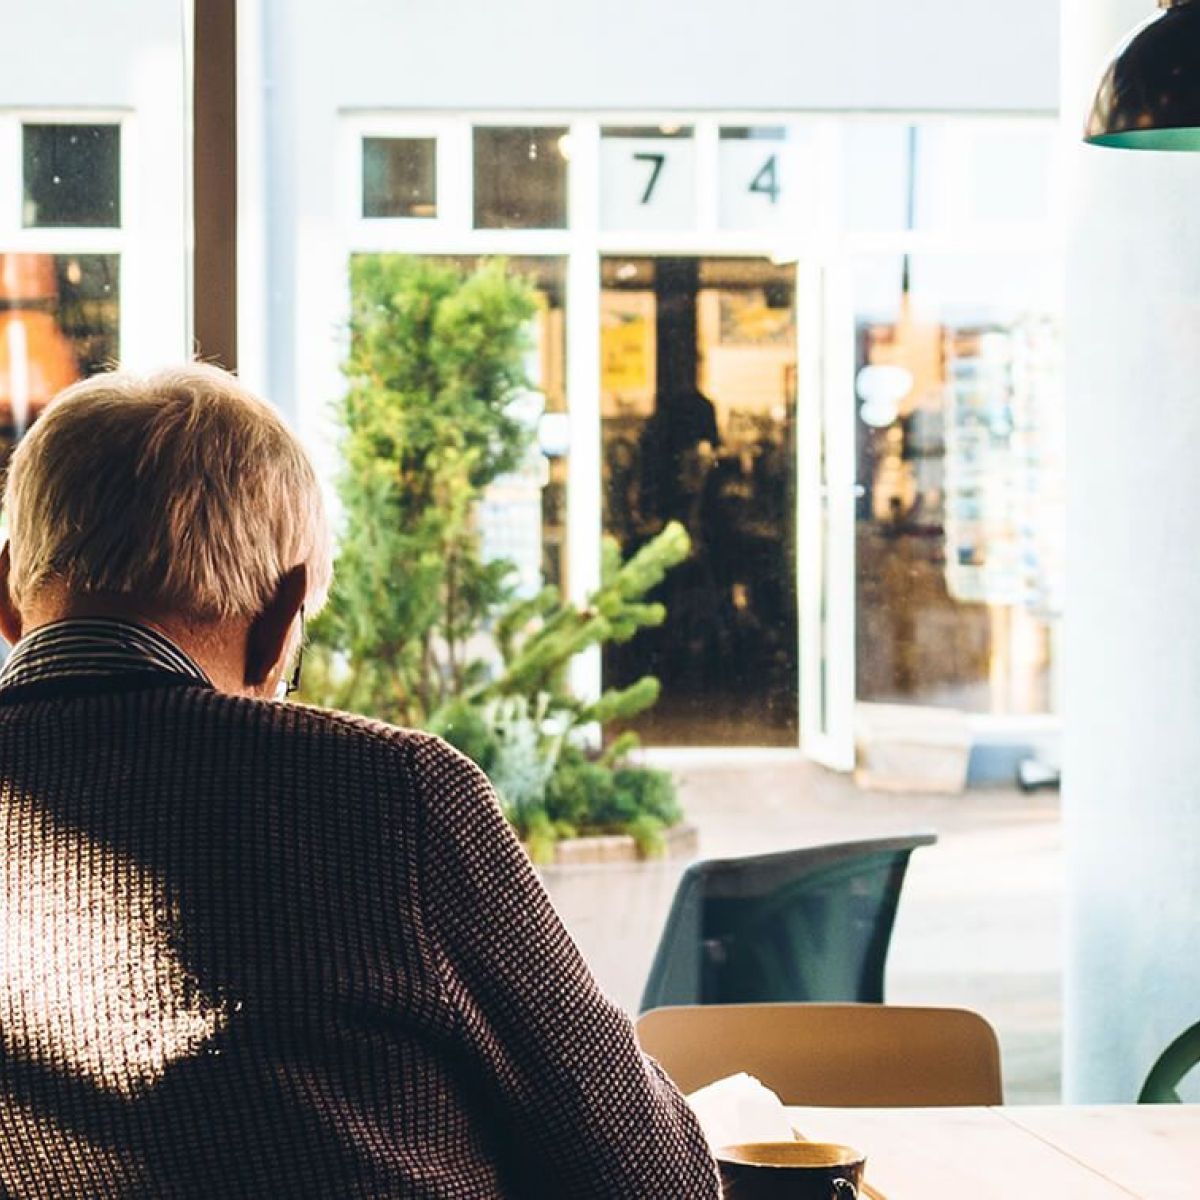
x,y
1078,1153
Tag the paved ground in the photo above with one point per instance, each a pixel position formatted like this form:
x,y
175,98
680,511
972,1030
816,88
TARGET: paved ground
x,y
979,918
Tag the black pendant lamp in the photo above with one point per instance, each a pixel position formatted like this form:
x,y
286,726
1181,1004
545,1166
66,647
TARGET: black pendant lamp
x,y
1149,98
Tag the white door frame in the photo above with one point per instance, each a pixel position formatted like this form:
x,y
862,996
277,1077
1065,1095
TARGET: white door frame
x,y
825,498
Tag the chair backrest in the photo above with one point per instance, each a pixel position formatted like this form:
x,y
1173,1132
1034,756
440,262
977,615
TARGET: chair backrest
x,y
812,924
835,1055
1176,1061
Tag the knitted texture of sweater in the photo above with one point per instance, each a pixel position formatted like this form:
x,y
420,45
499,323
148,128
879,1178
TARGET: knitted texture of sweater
x,y
252,949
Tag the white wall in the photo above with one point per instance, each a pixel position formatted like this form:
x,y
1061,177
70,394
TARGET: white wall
x,y
120,59
710,54
68,53
1132,679
321,59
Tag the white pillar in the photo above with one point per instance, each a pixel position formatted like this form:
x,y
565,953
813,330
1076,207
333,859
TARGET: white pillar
x,y
1132,680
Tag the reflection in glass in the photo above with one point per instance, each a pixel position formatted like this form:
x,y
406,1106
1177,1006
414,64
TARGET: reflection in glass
x,y
58,323
399,177
72,175
521,177
960,457
698,404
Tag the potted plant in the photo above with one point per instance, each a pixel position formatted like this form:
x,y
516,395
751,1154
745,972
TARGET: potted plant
x,y
420,629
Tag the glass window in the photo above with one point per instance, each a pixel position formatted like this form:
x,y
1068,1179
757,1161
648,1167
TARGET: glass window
x,y
1011,173
521,177
961,462
72,175
399,177
876,173
943,175
58,323
756,184
648,178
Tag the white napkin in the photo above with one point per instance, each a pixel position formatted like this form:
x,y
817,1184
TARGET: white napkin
x,y
740,1108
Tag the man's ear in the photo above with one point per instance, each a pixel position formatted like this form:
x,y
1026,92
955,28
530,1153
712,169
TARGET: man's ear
x,y
267,638
10,618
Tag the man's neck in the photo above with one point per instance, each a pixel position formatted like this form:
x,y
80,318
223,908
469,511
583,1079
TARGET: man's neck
x,y
217,648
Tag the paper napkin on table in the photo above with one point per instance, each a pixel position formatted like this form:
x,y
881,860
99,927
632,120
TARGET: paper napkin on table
x,y
740,1109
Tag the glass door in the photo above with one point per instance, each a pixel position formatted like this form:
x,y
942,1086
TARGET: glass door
x,y
698,412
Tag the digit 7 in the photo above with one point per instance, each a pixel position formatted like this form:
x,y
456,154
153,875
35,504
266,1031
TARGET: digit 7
x,y
655,171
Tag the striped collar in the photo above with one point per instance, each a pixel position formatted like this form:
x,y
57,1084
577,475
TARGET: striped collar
x,y
94,647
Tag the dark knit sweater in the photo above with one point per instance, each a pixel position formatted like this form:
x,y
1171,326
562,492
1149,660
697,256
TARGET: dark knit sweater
x,y
256,949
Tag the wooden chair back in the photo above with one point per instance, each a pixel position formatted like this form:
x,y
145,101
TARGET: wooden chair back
x,y
834,1055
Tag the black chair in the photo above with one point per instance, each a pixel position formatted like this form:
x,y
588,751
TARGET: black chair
x,y
802,925
1174,1063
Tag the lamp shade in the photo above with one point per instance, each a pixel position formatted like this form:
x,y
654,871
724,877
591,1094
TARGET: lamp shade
x,y
1149,97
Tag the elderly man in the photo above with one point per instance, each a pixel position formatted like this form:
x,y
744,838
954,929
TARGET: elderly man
x,y
249,948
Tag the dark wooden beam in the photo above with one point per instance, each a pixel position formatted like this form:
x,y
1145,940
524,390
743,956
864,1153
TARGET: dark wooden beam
x,y
214,181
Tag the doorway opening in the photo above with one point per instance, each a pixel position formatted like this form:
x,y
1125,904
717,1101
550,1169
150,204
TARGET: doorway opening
x,y
698,409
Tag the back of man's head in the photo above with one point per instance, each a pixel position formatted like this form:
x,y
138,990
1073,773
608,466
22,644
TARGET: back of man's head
x,y
179,490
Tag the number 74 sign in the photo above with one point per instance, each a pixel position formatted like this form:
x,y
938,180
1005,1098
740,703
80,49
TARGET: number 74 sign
x,y
651,183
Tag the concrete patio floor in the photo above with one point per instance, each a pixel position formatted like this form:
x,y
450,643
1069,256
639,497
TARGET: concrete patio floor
x,y
979,919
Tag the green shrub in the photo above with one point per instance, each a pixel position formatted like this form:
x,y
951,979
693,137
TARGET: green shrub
x,y
649,834
652,792
466,729
420,629
592,797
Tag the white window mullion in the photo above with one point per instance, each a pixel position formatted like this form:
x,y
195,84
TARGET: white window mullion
x,y
455,177
707,177
584,479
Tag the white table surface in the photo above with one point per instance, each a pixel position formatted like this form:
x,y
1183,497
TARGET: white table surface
x,y
1019,1153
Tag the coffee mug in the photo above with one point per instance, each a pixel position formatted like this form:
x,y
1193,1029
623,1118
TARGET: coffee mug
x,y
790,1171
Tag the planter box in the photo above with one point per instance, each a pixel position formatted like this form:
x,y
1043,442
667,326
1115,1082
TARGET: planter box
x,y
615,905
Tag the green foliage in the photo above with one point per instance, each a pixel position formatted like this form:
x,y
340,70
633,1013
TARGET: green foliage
x,y
435,370
539,637
524,757
420,630
467,728
650,835
578,791
652,793
588,794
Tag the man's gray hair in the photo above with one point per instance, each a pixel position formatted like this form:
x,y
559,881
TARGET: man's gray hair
x,y
179,489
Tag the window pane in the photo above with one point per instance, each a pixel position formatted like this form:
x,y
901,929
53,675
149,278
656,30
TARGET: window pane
x,y
757,188
399,177
72,175
521,178
876,178
58,323
960,454
648,178
982,173
944,175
